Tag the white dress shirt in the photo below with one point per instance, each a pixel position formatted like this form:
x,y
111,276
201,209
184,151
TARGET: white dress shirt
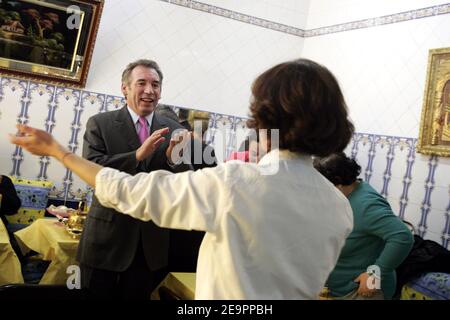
x,y
267,236
135,118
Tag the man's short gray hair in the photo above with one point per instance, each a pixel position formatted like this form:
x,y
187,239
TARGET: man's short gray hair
x,y
141,62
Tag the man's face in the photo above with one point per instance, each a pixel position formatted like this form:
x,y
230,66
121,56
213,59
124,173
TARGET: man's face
x,y
143,90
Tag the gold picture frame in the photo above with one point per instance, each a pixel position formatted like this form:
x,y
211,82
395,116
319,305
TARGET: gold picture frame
x,y
434,134
48,41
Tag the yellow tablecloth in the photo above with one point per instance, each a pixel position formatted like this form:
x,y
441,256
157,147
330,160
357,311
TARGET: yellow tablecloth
x,y
10,270
181,283
51,240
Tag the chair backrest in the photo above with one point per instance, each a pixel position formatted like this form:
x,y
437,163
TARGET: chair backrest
x,y
410,226
167,294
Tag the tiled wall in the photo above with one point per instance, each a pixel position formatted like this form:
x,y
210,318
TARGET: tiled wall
x,y
288,12
64,113
61,111
210,53
380,59
417,186
382,71
325,13
209,61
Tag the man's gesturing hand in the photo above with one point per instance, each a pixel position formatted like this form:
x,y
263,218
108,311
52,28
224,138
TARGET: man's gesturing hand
x,y
178,142
151,144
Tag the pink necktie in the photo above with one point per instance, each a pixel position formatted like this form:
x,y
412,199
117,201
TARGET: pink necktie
x,y
143,130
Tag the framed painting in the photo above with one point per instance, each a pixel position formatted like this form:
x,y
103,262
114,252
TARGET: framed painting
x,y
434,135
49,41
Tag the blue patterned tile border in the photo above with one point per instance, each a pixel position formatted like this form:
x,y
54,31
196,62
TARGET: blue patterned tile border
x,y
379,21
348,26
407,178
426,204
49,124
241,17
446,232
369,168
401,151
422,216
388,171
23,118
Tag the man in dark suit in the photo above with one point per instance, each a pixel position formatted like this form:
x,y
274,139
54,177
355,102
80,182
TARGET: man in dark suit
x,y
120,257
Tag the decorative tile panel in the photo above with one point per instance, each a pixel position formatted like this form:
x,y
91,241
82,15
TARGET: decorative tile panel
x,y
379,21
446,233
234,15
407,180
349,26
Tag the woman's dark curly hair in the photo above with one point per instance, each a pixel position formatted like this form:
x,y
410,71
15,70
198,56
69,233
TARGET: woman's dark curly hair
x,y
303,100
338,168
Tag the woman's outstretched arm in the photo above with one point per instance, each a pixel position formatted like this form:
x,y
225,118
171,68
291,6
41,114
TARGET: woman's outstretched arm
x,y
41,143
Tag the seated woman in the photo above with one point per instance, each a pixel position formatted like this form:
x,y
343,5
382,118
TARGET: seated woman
x,y
380,241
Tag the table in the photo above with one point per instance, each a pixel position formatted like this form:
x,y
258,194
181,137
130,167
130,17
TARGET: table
x,y
180,283
49,238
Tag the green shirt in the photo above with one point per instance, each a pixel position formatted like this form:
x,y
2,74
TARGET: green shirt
x,y
379,238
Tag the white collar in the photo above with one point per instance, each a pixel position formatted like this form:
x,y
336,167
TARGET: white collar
x,y
135,117
277,154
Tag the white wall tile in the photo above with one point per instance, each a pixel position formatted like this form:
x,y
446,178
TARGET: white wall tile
x,y
420,169
190,47
399,163
412,214
439,198
328,12
435,224
416,193
380,164
382,71
442,175
290,12
395,193
393,202
434,236
10,108
210,62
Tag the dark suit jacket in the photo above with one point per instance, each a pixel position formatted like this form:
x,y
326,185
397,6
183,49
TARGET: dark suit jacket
x,y
110,239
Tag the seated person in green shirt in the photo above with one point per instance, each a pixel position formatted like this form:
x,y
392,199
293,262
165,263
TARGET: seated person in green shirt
x,y
379,240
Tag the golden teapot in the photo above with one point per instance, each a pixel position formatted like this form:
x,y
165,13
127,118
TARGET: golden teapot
x,y
75,221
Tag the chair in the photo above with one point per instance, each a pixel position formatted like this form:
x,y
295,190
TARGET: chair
x,y
39,292
183,250
167,294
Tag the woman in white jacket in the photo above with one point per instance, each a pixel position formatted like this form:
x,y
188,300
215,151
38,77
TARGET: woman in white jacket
x,y
274,230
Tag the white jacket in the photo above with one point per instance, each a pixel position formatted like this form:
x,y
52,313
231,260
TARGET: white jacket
x,y
272,236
